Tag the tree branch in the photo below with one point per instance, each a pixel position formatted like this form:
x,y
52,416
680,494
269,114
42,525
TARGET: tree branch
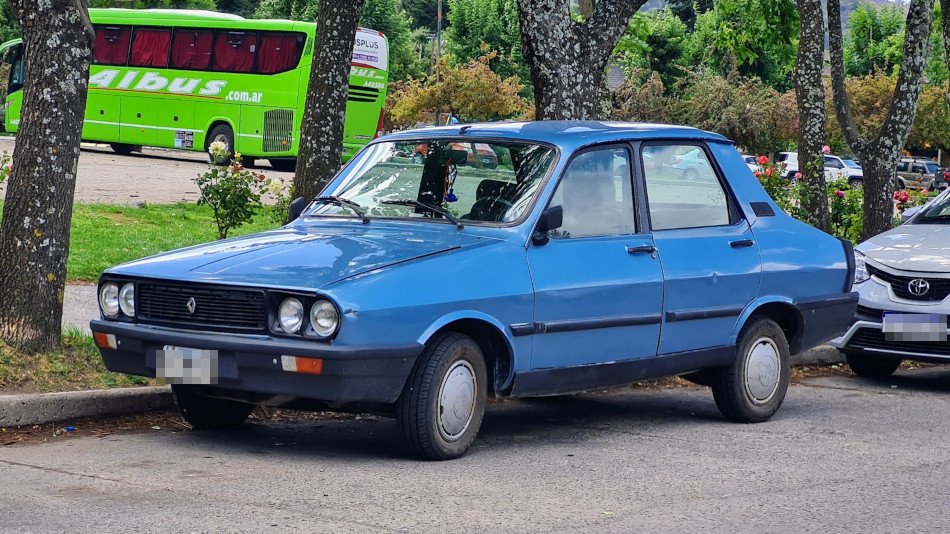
x,y
841,101
900,119
607,16
83,9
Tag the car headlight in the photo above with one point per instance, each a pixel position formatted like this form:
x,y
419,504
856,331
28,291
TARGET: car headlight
x,y
127,299
324,319
109,299
860,268
290,315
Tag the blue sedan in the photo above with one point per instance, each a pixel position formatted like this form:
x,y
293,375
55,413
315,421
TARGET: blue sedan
x,y
423,286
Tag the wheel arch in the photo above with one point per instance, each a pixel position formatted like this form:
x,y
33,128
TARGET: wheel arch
x,y
782,310
490,335
215,121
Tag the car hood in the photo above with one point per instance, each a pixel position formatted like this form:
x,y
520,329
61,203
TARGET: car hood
x,y
912,247
302,256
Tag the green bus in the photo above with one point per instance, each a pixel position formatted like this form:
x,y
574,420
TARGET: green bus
x,y
184,79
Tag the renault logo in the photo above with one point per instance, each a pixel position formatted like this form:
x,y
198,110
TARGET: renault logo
x,y
918,287
191,304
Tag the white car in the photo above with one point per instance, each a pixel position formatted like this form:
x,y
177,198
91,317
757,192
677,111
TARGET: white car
x,y
836,168
751,161
903,280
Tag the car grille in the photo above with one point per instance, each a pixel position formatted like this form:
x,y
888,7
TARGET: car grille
x,y
869,314
939,287
872,338
214,308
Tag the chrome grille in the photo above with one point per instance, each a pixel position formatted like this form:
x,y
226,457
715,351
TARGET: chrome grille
x,y
278,130
214,307
939,287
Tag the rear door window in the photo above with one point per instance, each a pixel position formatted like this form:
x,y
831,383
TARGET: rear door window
x,y
150,47
112,45
683,188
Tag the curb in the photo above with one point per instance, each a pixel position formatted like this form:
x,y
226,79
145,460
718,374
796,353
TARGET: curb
x,y
820,355
39,408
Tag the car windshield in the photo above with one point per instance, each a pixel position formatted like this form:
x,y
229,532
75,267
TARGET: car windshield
x,y
937,213
851,163
493,182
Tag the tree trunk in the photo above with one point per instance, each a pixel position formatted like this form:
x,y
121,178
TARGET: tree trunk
x,y
810,95
879,155
321,132
34,237
567,59
945,15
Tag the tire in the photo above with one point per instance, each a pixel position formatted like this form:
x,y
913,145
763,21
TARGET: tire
x,y
224,134
452,361
752,395
856,184
203,412
690,175
123,149
283,165
872,367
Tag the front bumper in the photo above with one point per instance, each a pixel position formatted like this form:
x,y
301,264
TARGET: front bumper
x,y
866,336
374,374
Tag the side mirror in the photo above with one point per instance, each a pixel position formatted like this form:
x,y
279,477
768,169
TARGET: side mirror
x,y
296,208
909,213
551,219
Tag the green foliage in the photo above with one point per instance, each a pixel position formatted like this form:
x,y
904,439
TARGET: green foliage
x,y
232,192
755,37
244,8
687,10
655,40
482,26
9,27
305,10
155,4
932,123
847,210
423,13
875,40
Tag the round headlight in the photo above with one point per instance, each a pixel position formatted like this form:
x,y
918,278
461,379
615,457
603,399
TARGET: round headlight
x,y
290,315
324,318
109,299
127,299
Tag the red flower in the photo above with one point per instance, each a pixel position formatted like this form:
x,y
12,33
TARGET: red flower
x,y
768,171
839,194
763,160
757,174
901,196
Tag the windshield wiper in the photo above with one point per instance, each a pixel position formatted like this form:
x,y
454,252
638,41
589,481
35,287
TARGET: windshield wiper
x,y
442,211
344,203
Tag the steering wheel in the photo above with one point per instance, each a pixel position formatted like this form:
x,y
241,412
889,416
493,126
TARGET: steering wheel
x,y
489,208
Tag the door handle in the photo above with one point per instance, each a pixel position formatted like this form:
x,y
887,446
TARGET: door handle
x,y
741,243
642,249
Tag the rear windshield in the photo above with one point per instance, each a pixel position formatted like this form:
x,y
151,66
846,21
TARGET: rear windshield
x,y
489,182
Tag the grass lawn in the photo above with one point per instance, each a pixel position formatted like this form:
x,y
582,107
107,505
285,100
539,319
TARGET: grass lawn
x,y
104,235
76,366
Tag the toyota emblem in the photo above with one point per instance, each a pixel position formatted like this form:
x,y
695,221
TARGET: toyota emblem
x,y
191,305
918,287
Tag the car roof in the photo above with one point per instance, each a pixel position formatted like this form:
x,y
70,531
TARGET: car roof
x,y
566,134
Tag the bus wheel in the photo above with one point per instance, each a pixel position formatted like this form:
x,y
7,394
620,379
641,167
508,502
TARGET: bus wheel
x,y
283,165
123,149
222,133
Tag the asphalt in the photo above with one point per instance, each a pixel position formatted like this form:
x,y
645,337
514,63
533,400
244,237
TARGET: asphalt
x,y
842,455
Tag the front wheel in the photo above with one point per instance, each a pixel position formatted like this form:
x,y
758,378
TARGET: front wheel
x,y
443,402
690,174
872,367
123,149
752,389
855,184
222,133
204,412
283,165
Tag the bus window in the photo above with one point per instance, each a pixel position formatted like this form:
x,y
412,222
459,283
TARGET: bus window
x,y
191,49
234,51
279,52
150,47
112,45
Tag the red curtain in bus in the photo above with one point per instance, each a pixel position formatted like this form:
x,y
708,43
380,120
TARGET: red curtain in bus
x,y
112,45
191,49
234,51
150,48
278,53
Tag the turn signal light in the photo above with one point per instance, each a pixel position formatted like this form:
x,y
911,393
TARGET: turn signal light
x,y
105,341
297,364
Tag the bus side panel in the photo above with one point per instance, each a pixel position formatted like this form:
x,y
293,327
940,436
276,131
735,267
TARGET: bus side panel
x,y
364,103
137,119
175,123
102,117
249,136
11,118
208,113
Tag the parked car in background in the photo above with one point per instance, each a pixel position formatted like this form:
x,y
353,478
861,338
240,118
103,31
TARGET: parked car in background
x,y
580,262
903,279
477,154
916,173
751,161
942,179
835,168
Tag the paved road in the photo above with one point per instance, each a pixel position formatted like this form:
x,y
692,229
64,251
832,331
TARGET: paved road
x,y
156,176
844,455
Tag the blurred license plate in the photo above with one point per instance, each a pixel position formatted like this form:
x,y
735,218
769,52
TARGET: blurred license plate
x,y
915,327
183,365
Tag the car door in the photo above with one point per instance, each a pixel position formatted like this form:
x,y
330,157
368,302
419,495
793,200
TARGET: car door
x,y
598,284
707,250
834,168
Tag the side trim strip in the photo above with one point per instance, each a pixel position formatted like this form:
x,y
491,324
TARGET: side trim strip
x,y
827,301
145,126
573,325
703,313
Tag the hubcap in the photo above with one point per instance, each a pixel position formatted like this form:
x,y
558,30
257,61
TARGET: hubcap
x,y
221,138
762,370
456,400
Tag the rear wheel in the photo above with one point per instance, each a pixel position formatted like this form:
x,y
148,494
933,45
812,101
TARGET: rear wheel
x,y
872,367
283,165
222,133
752,389
690,175
123,149
855,183
443,402
204,412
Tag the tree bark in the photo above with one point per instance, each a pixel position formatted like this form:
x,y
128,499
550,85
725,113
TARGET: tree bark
x,y
567,59
321,131
34,237
879,155
810,95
